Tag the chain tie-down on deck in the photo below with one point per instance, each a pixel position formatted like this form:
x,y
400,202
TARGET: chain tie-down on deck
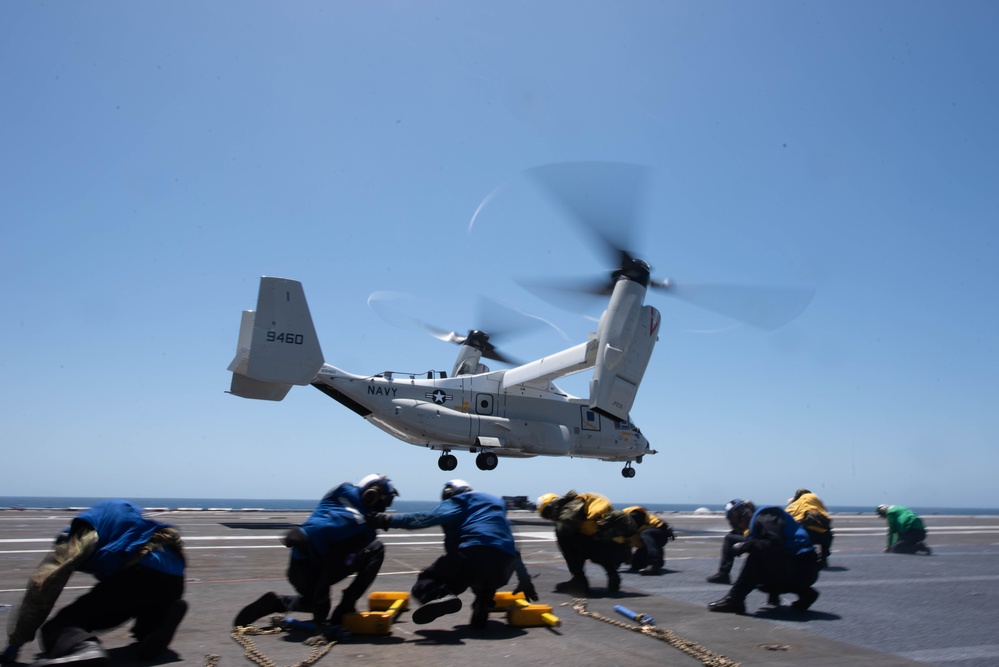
x,y
704,655
242,636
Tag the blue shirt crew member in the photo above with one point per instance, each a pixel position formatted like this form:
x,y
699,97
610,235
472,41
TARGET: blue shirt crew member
x,y
336,541
139,565
780,559
479,553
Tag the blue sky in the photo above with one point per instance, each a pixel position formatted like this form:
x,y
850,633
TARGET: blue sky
x,y
157,158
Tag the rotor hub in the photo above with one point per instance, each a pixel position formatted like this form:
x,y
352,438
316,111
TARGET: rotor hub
x,y
634,269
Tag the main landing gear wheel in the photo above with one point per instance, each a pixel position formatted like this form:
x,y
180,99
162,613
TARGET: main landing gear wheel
x,y
486,461
447,462
628,471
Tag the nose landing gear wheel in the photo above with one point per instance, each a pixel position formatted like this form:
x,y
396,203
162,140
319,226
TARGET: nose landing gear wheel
x,y
447,462
628,471
486,461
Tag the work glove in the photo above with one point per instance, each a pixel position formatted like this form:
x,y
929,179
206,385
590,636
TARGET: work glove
x,y
379,520
9,655
526,586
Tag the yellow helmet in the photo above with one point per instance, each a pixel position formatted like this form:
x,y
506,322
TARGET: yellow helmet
x,y
544,501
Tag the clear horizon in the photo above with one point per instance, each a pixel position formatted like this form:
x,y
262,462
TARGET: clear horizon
x,y
848,147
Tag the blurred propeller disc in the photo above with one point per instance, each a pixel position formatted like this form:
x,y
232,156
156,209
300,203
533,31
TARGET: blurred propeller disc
x,y
604,199
759,306
496,320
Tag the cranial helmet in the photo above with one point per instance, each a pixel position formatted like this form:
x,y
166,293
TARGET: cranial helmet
x,y
881,510
736,508
732,504
377,492
800,492
454,488
545,501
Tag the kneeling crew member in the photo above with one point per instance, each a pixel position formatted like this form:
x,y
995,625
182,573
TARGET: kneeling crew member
x,y
808,510
139,565
650,540
479,553
587,527
780,559
906,531
337,540
736,535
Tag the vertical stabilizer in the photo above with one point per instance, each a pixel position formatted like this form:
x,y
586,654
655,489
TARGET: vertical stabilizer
x,y
277,346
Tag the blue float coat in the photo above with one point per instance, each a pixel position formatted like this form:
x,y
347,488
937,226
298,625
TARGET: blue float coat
x,y
468,519
121,530
794,538
340,515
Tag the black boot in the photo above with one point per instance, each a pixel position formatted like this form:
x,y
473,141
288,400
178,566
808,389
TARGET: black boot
x,y
728,605
613,581
805,599
89,653
719,577
578,585
268,603
434,609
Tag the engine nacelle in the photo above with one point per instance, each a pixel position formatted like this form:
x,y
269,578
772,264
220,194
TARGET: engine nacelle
x,y
622,359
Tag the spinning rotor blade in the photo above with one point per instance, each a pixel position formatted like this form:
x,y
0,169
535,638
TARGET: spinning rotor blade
x,y
574,295
382,303
499,322
604,197
503,321
763,307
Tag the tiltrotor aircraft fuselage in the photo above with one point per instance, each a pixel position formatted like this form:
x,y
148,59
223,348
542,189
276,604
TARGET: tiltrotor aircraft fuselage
x,y
518,412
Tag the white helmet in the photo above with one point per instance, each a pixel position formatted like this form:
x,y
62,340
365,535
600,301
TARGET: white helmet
x,y
377,492
455,487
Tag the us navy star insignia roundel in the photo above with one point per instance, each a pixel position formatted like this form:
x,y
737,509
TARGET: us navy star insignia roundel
x,y
439,397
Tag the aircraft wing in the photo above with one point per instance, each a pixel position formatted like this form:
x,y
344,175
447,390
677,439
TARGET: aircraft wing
x,y
574,360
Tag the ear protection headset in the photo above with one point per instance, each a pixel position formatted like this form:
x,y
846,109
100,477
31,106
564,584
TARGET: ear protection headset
x,y
377,492
370,496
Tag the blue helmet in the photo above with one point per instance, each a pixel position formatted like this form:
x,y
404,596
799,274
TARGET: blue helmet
x,y
731,505
736,507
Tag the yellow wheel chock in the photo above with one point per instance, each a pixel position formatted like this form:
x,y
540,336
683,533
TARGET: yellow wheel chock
x,y
521,613
384,606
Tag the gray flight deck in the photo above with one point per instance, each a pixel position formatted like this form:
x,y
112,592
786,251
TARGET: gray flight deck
x,y
874,608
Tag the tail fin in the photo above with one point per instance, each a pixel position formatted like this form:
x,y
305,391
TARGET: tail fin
x,y
277,345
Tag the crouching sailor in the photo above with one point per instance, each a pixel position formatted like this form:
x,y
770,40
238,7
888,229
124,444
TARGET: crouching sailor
x,y
139,566
479,553
780,559
336,541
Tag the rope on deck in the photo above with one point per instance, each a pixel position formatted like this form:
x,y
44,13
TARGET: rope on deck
x,y
704,655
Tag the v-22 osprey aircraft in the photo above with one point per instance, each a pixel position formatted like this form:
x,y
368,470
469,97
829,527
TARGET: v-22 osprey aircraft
x,y
516,412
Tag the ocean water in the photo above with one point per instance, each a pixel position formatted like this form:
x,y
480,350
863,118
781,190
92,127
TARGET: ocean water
x,y
71,503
